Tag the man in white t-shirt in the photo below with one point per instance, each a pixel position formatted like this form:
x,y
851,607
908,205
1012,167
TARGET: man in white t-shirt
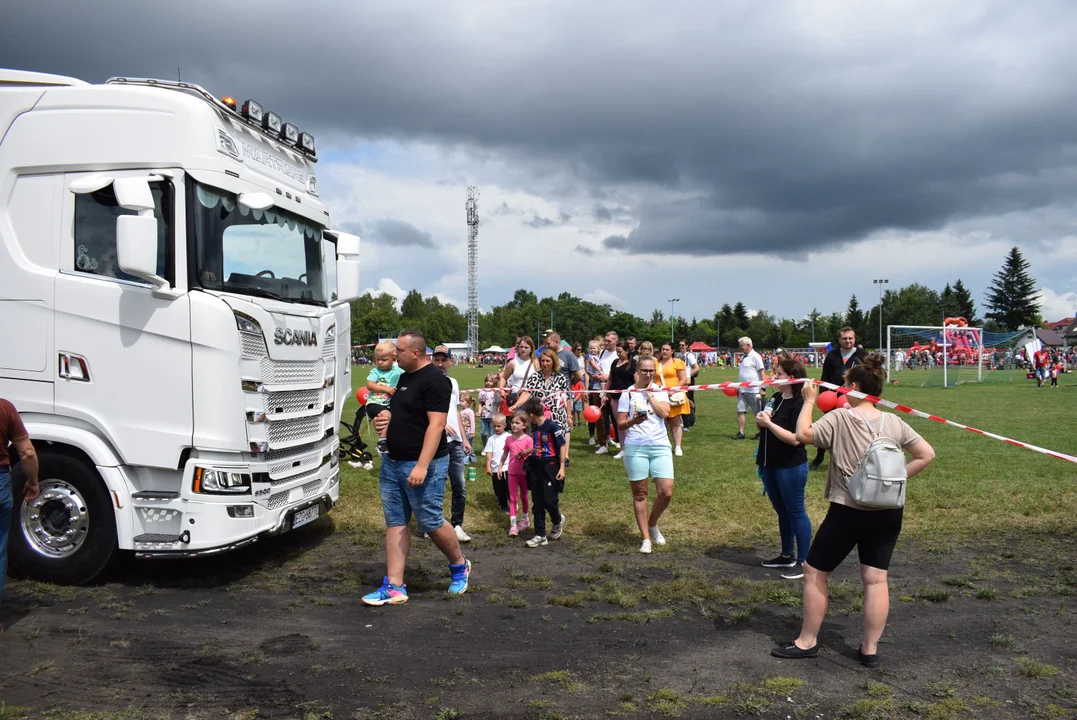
x,y
751,369
459,446
605,428
691,364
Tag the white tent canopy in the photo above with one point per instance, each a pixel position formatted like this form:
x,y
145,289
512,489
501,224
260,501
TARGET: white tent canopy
x,y
495,349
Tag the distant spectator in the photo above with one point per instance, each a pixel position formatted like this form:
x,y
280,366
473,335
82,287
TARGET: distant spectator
x,y
836,364
751,370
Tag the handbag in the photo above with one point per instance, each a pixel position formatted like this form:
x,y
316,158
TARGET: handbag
x,y
677,398
880,478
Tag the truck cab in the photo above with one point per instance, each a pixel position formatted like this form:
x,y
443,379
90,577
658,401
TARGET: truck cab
x,y
175,321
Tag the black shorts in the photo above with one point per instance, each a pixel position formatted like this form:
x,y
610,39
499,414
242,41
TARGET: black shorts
x,y
874,533
372,411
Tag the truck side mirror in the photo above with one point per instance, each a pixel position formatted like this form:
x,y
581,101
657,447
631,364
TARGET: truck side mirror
x,y
347,267
136,246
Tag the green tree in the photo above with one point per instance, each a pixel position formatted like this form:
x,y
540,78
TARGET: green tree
x,y
740,315
1011,299
966,308
948,301
854,316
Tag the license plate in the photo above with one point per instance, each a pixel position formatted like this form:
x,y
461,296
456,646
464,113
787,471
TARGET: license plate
x,y
303,517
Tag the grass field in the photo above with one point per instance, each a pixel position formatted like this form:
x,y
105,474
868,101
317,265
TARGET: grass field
x,y
976,485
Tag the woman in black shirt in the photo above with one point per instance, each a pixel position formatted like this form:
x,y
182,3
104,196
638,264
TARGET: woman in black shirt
x,y
783,465
622,377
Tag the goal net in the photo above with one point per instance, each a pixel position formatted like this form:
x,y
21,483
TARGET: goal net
x,y
946,356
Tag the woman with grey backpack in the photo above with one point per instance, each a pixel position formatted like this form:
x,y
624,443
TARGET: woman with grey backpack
x,y
866,489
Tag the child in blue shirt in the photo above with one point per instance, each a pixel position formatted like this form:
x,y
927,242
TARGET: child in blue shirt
x,y
545,473
381,382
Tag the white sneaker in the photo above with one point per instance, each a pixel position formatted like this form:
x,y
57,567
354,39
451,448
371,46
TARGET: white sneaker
x,y
615,445
369,466
677,451
601,451
357,465
620,454
461,535
558,528
537,541
645,547
656,535
591,441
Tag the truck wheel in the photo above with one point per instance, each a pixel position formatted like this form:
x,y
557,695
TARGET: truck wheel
x,y
67,534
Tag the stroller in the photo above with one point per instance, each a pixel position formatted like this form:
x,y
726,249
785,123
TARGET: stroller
x,y
352,448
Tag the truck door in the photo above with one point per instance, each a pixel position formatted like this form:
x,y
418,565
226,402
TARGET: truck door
x,y
124,350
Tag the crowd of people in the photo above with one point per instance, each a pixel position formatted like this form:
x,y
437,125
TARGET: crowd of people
x,y
428,432
525,414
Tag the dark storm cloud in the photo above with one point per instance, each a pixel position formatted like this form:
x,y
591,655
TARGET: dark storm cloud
x,y
399,234
739,126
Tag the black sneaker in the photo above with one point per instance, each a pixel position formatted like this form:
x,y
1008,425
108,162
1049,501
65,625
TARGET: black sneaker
x,y
738,436
383,446
756,436
871,661
816,465
790,651
782,561
796,572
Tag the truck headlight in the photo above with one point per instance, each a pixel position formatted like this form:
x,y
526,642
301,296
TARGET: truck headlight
x,y
207,480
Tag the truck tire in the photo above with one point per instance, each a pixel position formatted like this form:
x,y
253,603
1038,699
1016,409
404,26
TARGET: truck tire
x,y
68,533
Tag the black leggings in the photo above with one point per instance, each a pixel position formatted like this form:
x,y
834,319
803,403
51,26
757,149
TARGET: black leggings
x,y
874,534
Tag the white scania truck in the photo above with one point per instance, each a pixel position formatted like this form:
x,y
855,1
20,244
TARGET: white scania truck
x,y
174,321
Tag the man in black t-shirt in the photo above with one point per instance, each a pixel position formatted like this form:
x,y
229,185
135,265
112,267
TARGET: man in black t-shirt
x,y
412,479
837,362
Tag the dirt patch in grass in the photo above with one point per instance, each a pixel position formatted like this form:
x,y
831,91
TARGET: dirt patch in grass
x,y
547,633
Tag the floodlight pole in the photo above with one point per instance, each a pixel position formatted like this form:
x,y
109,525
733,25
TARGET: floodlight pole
x,y
671,319
880,282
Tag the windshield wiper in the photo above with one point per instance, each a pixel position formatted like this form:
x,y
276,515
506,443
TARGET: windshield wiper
x,y
306,301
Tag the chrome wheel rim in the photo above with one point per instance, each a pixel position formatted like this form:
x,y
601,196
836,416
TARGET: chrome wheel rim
x,y
56,522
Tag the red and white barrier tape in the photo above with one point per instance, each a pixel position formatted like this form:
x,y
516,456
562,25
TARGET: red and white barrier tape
x,y
852,393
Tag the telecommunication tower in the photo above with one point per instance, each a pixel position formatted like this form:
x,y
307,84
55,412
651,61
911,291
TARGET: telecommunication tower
x,y
472,207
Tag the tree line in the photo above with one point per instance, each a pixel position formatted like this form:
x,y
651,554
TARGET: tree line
x,y
1011,304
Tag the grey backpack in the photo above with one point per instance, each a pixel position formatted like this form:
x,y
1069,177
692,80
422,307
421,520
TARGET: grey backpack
x,y
879,480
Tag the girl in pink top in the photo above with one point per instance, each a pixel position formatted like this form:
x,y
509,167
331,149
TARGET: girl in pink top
x,y
517,447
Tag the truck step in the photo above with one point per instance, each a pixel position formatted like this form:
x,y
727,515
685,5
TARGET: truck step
x,y
149,538
156,495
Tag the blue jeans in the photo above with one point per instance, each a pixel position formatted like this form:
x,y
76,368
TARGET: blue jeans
x,y
487,430
5,523
456,481
785,488
399,500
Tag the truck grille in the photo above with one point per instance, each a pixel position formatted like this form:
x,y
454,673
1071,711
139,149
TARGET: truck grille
x,y
253,345
291,431
279,403
293,373
280,499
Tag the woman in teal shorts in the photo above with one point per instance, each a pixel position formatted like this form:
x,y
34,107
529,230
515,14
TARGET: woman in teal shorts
x,y
641,420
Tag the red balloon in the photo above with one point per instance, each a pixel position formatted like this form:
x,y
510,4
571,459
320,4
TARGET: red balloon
x,y
361,395
730,391
826,401
592,413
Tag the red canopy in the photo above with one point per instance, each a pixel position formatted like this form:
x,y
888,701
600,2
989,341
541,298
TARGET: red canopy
x,y
700,346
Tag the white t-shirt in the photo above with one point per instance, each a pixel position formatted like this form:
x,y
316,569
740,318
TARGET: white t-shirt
x,y
651,431
606,359
454,413
751,365
519,373
495,448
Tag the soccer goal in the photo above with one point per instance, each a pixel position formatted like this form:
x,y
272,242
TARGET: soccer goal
x,y
950,355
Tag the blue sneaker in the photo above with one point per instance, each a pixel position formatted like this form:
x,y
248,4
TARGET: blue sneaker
x,y
458,575
389,594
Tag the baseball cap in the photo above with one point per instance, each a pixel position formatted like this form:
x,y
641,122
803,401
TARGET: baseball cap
x,y
442,350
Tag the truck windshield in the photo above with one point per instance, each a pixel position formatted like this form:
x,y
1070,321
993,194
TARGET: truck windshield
x,y
267,253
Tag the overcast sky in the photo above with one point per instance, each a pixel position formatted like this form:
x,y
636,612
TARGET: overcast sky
x,y
779,153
